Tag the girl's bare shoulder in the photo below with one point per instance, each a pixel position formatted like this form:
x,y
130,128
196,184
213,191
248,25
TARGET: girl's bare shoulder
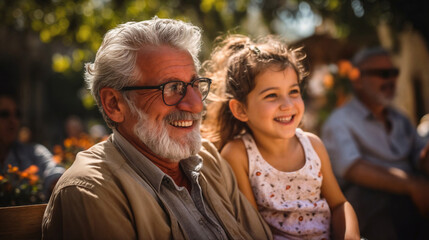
x,y
314,139
234,151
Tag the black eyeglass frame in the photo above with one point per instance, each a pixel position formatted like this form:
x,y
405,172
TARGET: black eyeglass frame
x,y
162,86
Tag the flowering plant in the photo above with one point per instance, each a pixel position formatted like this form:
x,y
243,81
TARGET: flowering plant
x,y
337,85
66,154
20,187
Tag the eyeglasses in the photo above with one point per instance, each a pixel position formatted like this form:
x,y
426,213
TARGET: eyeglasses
x,y
4,114
174,91
383,73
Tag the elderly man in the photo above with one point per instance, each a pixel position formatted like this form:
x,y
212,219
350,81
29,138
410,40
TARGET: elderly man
x,y
21,155
153,178
377,154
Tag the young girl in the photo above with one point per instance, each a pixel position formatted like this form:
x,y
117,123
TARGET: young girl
x,y
283,171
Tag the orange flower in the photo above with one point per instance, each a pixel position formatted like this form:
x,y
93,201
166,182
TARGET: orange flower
x,y
33,169
1,177
328,81
58,149
33,179
13,169
354,74
344,67
84,143
68,142
29,172
24,175
57,158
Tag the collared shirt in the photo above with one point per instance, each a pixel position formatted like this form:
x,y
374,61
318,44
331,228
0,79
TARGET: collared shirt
x,y
101,196
353,133
194,216
24,155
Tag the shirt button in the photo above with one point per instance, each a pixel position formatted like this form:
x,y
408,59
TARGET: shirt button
x,y
201,222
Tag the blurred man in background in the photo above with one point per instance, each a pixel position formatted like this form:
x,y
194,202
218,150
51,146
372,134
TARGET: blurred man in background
x,y
17,154
378,156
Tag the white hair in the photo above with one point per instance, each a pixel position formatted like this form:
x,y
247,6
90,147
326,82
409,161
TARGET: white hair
x,y
114,64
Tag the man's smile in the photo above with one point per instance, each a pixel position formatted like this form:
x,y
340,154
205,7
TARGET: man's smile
x,y
182,123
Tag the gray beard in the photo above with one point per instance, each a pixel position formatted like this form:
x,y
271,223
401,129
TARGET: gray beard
x,y
155,135
380,99
376,97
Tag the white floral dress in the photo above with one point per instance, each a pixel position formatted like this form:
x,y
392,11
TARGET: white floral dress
x,y
290,202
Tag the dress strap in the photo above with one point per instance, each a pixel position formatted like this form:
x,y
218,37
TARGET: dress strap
x,y
251,150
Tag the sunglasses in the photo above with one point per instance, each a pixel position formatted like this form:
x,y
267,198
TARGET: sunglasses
x,y
382,72
4,114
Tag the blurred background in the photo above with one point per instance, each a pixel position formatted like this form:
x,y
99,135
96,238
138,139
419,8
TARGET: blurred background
x,y
45,43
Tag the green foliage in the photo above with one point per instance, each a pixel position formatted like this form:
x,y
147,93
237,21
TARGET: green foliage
x,y
73,30
81,24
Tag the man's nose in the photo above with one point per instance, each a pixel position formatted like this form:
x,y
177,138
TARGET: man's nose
x,y
192,101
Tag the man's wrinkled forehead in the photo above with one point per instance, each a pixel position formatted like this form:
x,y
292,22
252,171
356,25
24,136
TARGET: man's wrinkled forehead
x,y
377,62
164,62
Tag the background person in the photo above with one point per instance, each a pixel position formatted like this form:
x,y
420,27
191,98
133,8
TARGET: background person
x,y
23,155
377,154
154,178
74,127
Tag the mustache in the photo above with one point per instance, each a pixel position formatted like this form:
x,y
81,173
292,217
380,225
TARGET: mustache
x,y
182,115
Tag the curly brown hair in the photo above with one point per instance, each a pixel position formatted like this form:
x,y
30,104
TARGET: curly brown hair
x,y
233,66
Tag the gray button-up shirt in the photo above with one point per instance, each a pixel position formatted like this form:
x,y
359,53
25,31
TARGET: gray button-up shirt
x,y
352,132
190,208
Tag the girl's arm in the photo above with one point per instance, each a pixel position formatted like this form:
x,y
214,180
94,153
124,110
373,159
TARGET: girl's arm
x,y
344,221
235,153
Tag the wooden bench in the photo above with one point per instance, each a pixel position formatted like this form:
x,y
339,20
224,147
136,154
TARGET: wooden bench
x,y
21,222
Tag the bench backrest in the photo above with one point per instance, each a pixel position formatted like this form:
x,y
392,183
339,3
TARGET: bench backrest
x,y
21,222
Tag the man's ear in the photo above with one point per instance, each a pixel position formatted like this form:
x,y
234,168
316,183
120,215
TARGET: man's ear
x,y
113,104
238,110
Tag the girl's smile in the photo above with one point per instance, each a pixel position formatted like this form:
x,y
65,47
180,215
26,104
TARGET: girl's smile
x,y
283,119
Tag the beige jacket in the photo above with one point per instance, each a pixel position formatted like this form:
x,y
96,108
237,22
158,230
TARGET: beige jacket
x,y
102,197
